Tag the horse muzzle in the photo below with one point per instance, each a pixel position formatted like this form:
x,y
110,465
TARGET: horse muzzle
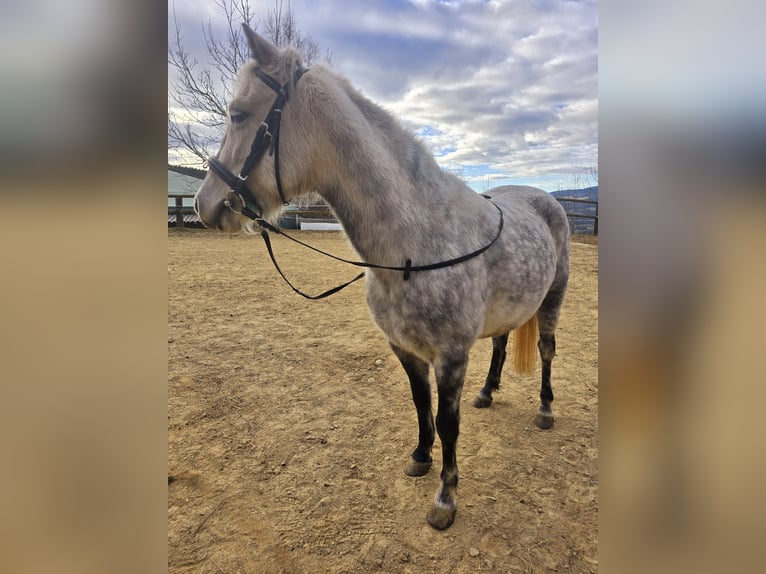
x,y
214,209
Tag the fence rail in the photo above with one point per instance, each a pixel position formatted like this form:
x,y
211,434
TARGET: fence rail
x,y
574,215
179,210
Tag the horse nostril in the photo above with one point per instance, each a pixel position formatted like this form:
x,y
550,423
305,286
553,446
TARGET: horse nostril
x,y
196,205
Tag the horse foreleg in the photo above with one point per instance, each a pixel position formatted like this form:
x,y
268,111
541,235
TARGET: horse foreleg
x,y
417,371
484,398
450,373
547,346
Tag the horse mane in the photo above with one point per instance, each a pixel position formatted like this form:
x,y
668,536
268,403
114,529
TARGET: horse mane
x,y
415,157
419,160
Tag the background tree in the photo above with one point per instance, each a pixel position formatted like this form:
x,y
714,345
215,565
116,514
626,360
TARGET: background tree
x,y
580,176
201,92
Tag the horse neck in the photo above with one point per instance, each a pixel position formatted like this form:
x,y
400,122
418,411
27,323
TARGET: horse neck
x,y
380,181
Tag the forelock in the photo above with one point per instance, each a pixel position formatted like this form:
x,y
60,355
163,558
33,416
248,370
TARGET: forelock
x,y
290,60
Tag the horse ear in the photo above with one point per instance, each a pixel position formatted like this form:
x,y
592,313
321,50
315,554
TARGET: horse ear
x,y
261,50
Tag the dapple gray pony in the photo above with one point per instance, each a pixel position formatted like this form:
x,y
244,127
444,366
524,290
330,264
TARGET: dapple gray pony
x,y
397,206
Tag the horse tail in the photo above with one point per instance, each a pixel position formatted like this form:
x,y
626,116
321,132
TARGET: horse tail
x,y
525,347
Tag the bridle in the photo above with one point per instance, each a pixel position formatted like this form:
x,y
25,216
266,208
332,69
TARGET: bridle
x,y
241,200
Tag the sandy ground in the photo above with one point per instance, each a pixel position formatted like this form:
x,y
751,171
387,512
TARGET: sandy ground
x,y
290,423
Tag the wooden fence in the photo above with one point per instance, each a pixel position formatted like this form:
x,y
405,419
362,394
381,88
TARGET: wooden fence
x,y
180,215
579,215
177,212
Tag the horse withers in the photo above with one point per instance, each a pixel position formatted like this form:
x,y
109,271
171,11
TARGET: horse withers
x,y
400,211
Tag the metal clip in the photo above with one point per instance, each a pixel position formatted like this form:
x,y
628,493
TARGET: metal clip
x,y
266,133
232,198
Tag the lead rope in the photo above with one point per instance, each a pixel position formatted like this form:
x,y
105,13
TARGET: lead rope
x,y
267,241
407,269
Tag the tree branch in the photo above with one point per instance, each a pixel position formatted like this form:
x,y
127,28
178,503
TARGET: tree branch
x,y
202,92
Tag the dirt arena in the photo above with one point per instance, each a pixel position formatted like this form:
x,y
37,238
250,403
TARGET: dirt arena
x,y
290,423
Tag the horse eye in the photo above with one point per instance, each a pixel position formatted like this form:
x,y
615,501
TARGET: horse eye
x,y
238,117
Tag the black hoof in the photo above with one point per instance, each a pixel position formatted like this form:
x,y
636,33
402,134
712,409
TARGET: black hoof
x,y
415,468
482,402
544,421
440,517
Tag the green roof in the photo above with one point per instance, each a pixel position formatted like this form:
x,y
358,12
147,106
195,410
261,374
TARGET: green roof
x,y
179,184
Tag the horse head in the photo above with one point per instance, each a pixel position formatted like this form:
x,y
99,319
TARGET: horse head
x,y
247,175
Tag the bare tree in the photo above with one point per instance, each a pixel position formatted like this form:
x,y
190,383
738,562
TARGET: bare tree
x,y
580,177
202,91
282,28
591,175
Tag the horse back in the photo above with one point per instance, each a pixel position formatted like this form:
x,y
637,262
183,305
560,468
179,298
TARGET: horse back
x,y
534,202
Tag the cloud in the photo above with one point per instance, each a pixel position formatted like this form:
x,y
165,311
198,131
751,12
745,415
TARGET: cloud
x,y
510,85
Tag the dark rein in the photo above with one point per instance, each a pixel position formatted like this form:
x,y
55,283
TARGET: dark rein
x,y
267,137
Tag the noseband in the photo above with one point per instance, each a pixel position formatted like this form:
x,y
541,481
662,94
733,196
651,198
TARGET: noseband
x,y
240,199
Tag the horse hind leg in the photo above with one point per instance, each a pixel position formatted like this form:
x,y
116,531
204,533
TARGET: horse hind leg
x,y
484,398
547,319
547,346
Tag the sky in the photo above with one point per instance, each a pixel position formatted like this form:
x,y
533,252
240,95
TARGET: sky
x,y
502,92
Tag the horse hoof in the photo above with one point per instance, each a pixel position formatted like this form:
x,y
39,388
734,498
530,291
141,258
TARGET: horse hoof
x,y
415,468
441,517
482,402
544,421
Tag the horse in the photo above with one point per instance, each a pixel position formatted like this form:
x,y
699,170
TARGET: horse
x,y
396,205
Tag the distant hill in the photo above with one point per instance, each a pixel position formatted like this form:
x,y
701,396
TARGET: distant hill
x,y
579,224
